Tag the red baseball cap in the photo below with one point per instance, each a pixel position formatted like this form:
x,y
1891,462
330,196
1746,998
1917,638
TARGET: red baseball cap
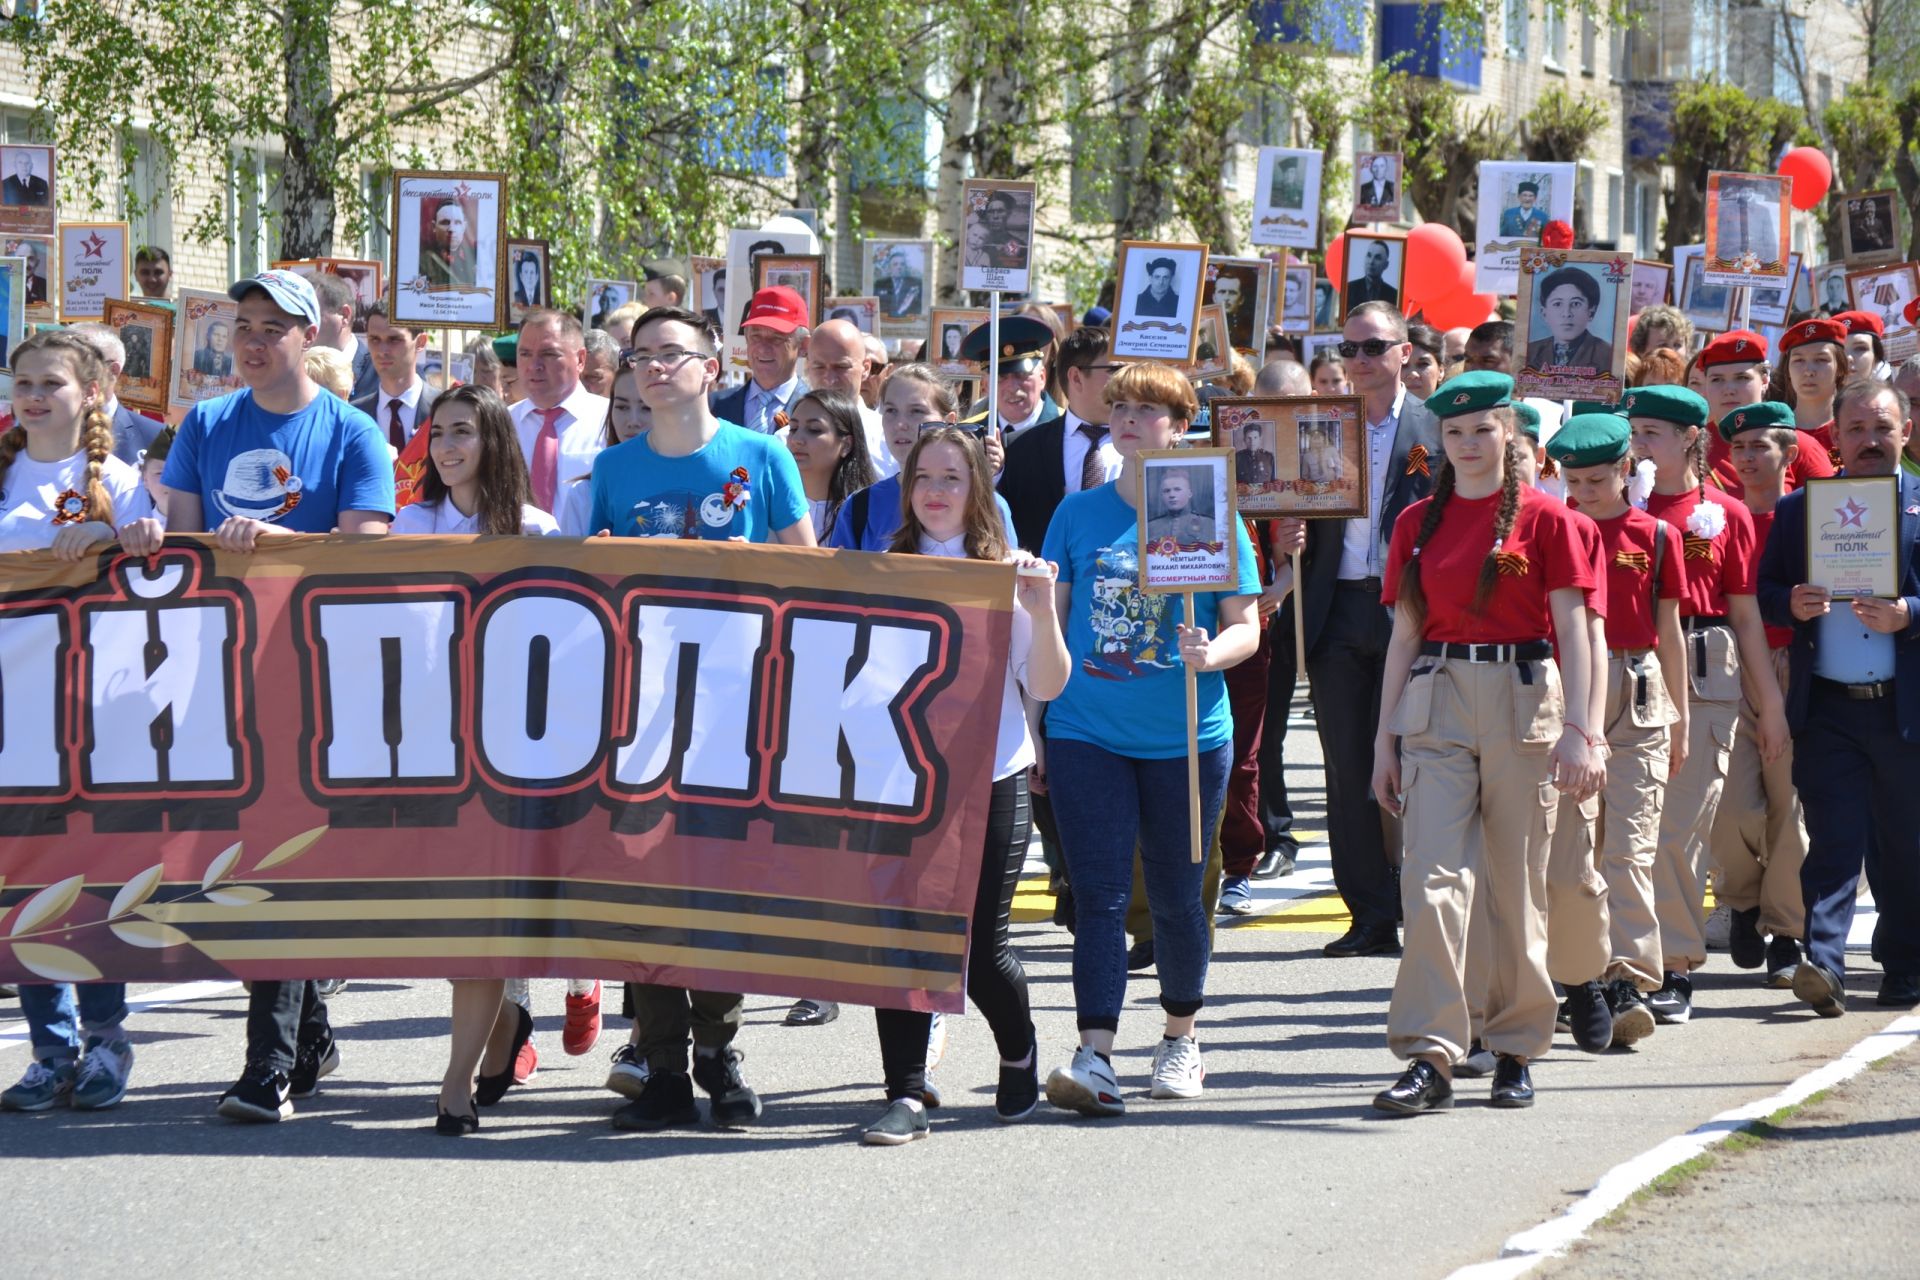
x,y
1816,330
1736,346
777,308
1862,322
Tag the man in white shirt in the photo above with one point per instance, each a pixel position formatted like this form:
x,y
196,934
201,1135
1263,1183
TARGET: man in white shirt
x,y
837,360
336,330
400,405
562,425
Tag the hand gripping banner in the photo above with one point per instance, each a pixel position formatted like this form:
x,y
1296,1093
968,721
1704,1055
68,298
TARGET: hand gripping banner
x,y
723,767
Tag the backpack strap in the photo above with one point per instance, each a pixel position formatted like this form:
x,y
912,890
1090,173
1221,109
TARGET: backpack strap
x,y
857,512
1659,554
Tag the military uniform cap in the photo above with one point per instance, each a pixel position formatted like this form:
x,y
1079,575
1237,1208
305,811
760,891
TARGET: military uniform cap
x,y
1021,338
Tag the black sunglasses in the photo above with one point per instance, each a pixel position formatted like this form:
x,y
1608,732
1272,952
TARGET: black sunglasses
x,y
1372,348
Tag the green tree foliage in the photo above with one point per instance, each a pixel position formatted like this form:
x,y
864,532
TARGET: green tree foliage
x,y
1442,141
1560,130
1717,126
1864,131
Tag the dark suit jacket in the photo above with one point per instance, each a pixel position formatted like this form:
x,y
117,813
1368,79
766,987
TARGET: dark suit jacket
x,y
731,406
372,406
132,432
1145,304
365,381
33,191
1320,563
1783,566
1374,198
1365,290
1033,481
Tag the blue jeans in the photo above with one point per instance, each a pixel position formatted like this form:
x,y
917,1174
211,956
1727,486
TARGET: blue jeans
x,y
54,1024
1108,805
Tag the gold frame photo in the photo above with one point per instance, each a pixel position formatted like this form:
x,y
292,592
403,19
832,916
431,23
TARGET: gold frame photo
x,y
519,251
1164,333
1295,455
997,259
424,292
198,310
1741,264
941,320
813,268
1602,334
152,389
1857,211
876,281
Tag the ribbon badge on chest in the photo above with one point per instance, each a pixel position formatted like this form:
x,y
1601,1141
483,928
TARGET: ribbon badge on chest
x,y
1417,461
69,508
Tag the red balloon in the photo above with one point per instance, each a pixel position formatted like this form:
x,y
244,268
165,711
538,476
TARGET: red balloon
x,y
1336,256
1434,258
1812,175
1462,308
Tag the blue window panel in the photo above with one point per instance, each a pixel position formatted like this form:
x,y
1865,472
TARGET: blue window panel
x,y
898,161
1650,122
1339,26
739,143
1413,39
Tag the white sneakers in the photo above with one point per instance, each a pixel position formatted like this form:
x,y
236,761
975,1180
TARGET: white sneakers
x,y
1087,1083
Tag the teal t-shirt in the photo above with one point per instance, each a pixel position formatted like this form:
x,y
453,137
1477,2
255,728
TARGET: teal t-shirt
x,y
741,485
1126,691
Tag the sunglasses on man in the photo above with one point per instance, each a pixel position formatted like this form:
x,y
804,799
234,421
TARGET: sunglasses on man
x,y
1371,348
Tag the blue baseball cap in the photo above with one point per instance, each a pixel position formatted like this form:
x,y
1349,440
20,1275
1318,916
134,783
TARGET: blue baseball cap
x,y
290,292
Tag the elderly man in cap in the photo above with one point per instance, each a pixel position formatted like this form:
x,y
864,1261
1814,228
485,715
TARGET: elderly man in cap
x,y
1569,298
775,330
1025,344
1527,219
1854,705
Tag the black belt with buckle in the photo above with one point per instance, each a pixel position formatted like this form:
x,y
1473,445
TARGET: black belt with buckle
x,y
1524,651
1702,622
1858,692
1360,584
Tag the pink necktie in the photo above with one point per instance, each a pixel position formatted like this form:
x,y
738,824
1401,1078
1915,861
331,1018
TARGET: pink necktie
x,y
546,459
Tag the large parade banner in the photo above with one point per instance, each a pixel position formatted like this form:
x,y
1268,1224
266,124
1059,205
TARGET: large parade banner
x,y
724,767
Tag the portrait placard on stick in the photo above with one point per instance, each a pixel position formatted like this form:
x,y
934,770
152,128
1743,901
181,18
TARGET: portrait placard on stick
x,y
1286,197
1376,186
529,282
29,192
1572,322
1517,200
449,250
94,262
1295,456
203,360
1853,535
1186,525
1870,229
1376,270
1296,299
896,272
1886,291
1239,285
1748,228
146,331
996,235
1156,309
801,272
41,257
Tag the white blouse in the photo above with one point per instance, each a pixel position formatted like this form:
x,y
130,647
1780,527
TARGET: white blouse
x,y
1013,750
444,517
34,496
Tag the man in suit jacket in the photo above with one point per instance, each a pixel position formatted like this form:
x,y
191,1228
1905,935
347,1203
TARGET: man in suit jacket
x,y
132,432
336,330
23,186
775,330
1347,629
1853,703
401,402
1058,455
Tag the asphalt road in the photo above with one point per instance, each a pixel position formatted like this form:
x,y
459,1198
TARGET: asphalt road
x,y
1281,1164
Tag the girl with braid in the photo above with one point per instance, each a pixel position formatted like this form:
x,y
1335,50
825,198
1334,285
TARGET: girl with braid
x,y
61,489
1479,730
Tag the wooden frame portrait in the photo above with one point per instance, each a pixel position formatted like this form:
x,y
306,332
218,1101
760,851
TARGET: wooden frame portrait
x,y
862,313
996,235
1709,307
602,298
1242,287
1365,250
29,189
1294,309
13,307
1770,304
1212,349
707,289
1187,539
96,261
804,273
366,277
529,279
1295,455
449,250
1571,324
897,273
1156,303
146,331
1885,291
42,252
203,359
1286,197
1376,186
948,327
1652,283
1749,228
1517,199
1870,228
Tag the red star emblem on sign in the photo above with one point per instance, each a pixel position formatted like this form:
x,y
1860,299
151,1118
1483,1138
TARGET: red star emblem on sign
x,y
94,246
1851,514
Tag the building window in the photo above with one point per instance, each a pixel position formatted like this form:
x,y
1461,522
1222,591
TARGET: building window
x,y
146,198
1516,24
1556,37
1589,43
255,201
1616,208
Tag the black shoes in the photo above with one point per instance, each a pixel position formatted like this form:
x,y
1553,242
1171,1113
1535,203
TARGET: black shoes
x,y
665,1102
812,1013
898,1125
733,1104
1672,1004
488,1090
1744,943
1589,1017
448,1125
1140,955
1899,990
1632,1020
259,1096
319,1059
1364,940
1018,1092
1277,861
1820,987
1512,1085
1783,957
1420,1088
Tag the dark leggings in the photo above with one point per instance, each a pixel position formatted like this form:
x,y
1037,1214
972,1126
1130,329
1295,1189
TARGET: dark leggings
x,y
995,979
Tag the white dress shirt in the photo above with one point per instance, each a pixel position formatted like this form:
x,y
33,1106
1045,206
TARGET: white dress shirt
x,y
1008,430
1360,539
761,400
582,427
1073,452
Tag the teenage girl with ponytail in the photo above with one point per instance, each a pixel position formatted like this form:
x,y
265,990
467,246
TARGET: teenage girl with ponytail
x,y
61,489
1478,729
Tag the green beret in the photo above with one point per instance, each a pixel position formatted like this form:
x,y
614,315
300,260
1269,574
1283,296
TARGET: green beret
x,y
1590,440
1529,419
1669,404
508,349
1470,393
1594,406
1756,417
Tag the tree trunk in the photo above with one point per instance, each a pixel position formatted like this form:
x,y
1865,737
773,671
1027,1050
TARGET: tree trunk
x,y
307,187
956,140
813,158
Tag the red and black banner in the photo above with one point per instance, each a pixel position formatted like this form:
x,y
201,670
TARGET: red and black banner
x,y
719,766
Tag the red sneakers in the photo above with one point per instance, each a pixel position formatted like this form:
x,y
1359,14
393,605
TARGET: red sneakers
x,y
583,1022
525,1063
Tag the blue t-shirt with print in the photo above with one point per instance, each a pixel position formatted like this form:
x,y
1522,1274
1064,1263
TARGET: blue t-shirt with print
x,y
296,470
1126,691
740,485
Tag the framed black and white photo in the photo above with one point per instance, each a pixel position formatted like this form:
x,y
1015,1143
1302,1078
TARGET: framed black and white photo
x,y
1830,287
449,250
1770,305
95,263
996,235
13,307
1326,305
1239,285
804,273
29,191
1295,456
949,329
707,289
1376,186
862,313
1571,324
1187,520
897,273
1296,299
1376,270
41,274
1517,200
1748,228
1870,228
203,359
1212,353
1156,306
1651,283
1885,291
529,281
146,332
1286,197
603,298
1709,307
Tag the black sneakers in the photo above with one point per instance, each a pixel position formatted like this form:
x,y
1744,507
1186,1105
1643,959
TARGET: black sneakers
x,y
316,1060
665,1101
1018,1092
259,1096
1744,943
1632,1020
1590,1017
898,1125
1783,959
733,1103
1672,1004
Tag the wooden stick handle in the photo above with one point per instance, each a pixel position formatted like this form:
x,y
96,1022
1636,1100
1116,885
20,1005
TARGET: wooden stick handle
x,y
1194,843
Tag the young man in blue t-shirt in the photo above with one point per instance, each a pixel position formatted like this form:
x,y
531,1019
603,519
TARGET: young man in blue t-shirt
x,y
691,475
279,456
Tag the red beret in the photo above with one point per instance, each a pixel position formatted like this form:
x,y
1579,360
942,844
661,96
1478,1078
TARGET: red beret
x,y
1813,331
1862,322
1737,346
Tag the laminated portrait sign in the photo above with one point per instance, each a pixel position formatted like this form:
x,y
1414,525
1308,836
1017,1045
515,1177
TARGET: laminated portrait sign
x,y
94,265
949,327
604,297
996,235
1572,324
1156,308
449,250
1708,306
1286,197
1651,284
529,282
896,272
146,331
1517,200
203,367
1186,520
13,307
1770,305
1870,228
1295,310
1830,288
1853,535
1239,285
1885,292
1376,271
862,313
804,273
29,190
1749,228
1295,455
40,275
1376,186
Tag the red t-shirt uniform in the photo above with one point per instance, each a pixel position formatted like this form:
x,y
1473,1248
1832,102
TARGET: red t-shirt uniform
x,y
1717,567
1777,637
1814,459
1544,553
1627,541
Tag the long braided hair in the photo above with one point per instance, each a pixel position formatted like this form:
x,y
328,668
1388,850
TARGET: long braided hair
x,y
1412,594
96,429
